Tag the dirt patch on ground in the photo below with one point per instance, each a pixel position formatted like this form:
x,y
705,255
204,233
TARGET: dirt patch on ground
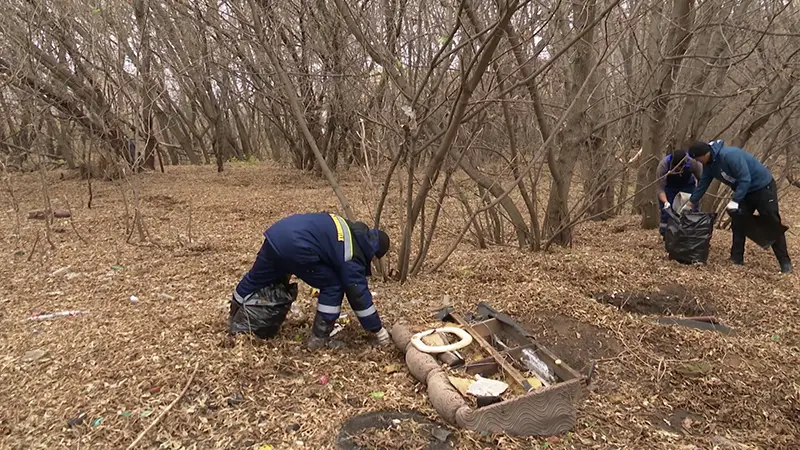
x,y
678,421
393,430
162,201
669,300
575,342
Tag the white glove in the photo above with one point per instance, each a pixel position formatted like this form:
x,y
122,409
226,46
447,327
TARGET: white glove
x,y
667,205
384,339
732,206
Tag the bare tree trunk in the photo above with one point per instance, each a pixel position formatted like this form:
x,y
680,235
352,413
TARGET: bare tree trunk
x,y
677,41
291,95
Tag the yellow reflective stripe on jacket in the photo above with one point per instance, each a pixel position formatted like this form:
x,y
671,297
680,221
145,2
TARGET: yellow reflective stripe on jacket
x,y
343,234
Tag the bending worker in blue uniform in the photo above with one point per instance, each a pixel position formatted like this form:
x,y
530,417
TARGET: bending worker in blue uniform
x,y
329,253
754,189
676,173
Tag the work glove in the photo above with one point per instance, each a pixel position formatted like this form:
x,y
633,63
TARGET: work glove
x,y
383,337
667,205
732,207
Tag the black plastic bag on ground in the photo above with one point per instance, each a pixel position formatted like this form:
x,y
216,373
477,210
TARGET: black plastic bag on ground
x,y
761,230
263,312
688,236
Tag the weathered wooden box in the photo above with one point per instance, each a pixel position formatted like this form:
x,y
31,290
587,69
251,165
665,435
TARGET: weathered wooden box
x,y
545,411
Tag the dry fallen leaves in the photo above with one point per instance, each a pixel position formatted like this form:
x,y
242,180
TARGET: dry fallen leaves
x,y
106,361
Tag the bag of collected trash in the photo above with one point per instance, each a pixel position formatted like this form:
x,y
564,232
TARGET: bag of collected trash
x,y
263,312
761,230
688,236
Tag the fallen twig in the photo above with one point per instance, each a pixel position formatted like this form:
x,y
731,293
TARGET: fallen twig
x,y
36,241
72,224
163,413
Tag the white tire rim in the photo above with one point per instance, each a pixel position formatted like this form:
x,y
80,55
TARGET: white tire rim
x,y
464,340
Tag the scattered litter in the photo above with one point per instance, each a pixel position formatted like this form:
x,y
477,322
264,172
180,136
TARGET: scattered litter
x,y
377,395
293,427
97,421
146,413
125,414
265,447
19,253
34,356
461,384
55,293
391,368
155,389
72,275
77,420
134,299
776,338
117,268
61,271
323,380
486,387
535,382
169,297
57,314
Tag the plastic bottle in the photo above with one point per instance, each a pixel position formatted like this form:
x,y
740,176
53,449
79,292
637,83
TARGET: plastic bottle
x,y
536,365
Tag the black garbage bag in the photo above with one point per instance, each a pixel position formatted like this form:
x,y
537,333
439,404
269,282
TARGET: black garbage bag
x,y
263,312
688,236
761,230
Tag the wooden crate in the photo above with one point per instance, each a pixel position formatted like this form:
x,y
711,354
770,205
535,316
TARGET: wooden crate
x,y
544,411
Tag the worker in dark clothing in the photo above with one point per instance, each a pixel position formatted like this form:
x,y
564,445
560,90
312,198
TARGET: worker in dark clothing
x,y
754,189
329,253
676,173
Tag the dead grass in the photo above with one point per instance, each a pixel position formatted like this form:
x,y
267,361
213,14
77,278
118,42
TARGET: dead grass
x,y
124,362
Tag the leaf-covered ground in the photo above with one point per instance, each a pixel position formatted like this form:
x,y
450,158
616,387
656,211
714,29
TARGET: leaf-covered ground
x,y
98,380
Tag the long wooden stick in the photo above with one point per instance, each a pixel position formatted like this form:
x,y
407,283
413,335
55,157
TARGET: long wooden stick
x,y
163,413
500,359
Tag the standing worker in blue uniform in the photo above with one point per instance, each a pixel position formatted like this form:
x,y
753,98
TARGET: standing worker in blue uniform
x,y
754,189
676,173
329,253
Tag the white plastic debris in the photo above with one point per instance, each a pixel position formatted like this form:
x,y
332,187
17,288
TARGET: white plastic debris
x,y
537,366
134,299
60,271
58,314
336,329
486,387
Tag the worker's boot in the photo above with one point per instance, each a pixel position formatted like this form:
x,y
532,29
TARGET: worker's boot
x,y
382,338
321,334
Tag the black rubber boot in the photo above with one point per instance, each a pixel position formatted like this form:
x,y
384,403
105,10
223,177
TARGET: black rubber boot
x,y
321,334
737,261
786,267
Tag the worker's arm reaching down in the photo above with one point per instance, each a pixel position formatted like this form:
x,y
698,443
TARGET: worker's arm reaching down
x,y
360,245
